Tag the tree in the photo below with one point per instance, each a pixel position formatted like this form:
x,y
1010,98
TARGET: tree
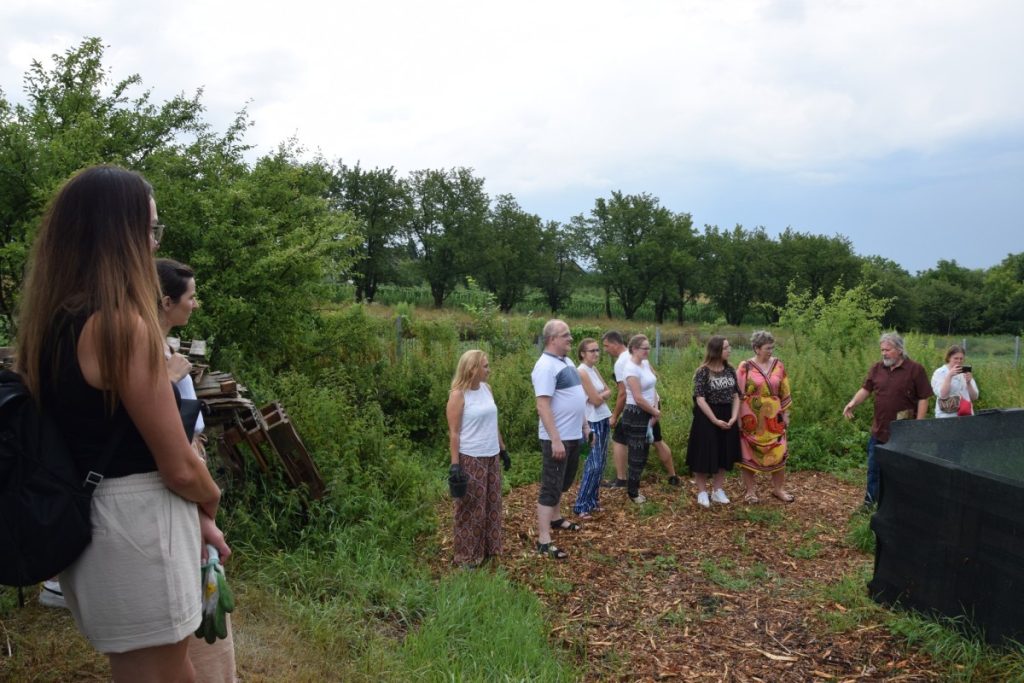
x,y
1003,291
381,203
75,117
736,269
675,266
509,262
557,271
950,299
887,279
448,212
813,263
621,237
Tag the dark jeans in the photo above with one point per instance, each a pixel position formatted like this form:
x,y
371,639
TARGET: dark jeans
x,y
556,476
871,495
634,426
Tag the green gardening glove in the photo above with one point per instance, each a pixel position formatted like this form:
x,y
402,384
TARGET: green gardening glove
x,y
218,600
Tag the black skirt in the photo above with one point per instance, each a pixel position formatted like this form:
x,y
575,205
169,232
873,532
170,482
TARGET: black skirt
x,y
711,448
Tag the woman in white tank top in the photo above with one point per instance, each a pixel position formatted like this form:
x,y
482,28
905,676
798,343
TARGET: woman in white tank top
x,y
475,443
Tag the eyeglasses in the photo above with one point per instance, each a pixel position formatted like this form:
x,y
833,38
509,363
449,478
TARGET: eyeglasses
x,y
591,351
643,348
566,335
158,231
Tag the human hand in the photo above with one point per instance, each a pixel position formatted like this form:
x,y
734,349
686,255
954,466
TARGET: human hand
x,y
457,480
212,536
506,460
848,411
557,449
178,366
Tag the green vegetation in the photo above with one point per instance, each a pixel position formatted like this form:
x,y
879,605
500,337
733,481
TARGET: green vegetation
x,y
275,243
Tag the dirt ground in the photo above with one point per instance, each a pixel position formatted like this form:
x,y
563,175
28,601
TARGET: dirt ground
x,y
671,591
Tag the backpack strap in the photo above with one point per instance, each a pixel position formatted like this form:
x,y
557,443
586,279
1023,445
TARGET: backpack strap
x,y
95,475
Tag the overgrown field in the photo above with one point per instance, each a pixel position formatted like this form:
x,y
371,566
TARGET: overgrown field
x,y
357,587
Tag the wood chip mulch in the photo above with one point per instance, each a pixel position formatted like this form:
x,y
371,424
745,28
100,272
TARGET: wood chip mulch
x,y
670,591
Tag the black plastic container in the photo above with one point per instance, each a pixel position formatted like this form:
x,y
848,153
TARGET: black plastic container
x,y
950,521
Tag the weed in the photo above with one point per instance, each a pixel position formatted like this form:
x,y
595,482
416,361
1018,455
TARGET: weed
x,y
718,571
859,534
806,551
759,515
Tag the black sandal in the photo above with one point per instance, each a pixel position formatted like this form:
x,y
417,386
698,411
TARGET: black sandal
x,y
562,524
551,550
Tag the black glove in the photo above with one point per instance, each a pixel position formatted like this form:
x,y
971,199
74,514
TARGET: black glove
x,y
506,461
457,481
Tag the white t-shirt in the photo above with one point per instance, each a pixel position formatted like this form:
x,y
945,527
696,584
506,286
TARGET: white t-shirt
x,y
557,377
620,365
478,435
595,413
188,390
645,375
957,387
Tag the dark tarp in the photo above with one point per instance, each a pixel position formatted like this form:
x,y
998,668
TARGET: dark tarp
x,y
950,520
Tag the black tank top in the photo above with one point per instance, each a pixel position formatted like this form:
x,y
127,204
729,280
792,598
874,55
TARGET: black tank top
x,y
81,411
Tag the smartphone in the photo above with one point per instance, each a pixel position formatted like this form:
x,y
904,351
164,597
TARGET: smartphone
x,y
965,368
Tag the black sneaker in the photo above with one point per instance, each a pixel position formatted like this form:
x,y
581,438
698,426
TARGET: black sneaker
x,y
674,481
614,484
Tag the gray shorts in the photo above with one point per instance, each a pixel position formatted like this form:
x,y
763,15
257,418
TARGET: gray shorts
x,y
556,476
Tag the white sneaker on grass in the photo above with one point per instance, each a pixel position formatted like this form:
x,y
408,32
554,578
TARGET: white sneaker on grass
x,y
719,497
640,499
51,595
702,499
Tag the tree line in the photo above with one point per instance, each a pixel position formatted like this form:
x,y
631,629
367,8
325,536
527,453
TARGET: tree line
x,y
268,237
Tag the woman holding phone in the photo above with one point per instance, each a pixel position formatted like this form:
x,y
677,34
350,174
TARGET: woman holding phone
x,y
954,385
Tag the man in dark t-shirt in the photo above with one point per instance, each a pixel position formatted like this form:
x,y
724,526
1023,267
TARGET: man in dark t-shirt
x,y
901,390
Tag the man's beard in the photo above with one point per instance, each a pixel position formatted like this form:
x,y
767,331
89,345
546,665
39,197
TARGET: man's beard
x,y
889,362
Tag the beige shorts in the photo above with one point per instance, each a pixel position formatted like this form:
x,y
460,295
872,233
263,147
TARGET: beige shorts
x,y
137,584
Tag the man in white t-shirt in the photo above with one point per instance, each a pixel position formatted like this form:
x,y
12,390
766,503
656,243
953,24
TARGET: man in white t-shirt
x,y
562,426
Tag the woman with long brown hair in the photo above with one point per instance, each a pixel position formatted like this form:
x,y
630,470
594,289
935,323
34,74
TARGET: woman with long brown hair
x,y
90,351
714,444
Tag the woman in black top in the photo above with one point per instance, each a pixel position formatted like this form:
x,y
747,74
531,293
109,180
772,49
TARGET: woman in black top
x,y
714,437
90,349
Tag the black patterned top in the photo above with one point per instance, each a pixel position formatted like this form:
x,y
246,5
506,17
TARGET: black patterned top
x,y
716,387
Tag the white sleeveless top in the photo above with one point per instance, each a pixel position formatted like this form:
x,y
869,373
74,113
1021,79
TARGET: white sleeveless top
x,y
478,436
595,413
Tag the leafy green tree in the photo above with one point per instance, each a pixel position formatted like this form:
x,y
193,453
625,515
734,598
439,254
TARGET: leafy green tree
x,y
509,261
843,321
557,271
889,280
268,242
381,202
951,299
736,269
814,263
449,208
621,237
1003,293
75,116
675,266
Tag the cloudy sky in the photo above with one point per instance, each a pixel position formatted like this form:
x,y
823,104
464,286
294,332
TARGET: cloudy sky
x,y
898,124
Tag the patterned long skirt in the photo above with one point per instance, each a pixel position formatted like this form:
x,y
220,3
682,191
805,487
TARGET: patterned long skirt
x,y
478,533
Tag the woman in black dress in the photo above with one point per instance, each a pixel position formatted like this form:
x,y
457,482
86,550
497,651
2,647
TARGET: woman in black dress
x,y
714,437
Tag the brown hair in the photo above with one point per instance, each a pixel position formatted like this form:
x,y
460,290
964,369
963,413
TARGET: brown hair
x,y
584,343
955,348
714,351
92,256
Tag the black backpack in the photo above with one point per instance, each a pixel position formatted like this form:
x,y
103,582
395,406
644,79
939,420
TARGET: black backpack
x,y
44,502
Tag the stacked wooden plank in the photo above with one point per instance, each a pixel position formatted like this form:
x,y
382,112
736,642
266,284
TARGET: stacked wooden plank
x,y
244,433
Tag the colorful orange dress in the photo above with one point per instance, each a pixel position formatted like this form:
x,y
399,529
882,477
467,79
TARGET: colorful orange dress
x,y
764,396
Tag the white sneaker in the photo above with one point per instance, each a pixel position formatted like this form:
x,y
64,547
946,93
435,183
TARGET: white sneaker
x,y
640,499
51,595
702,499
719,497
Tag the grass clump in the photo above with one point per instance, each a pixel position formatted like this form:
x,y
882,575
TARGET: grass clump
x,y
481,627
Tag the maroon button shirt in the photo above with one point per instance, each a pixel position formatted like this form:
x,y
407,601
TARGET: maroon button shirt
x,y
896,389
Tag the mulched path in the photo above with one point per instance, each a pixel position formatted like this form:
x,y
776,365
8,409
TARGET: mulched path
x,y
671,591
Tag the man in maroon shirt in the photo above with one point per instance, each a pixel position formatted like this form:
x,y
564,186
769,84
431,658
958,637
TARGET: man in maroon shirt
x,y
901,390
